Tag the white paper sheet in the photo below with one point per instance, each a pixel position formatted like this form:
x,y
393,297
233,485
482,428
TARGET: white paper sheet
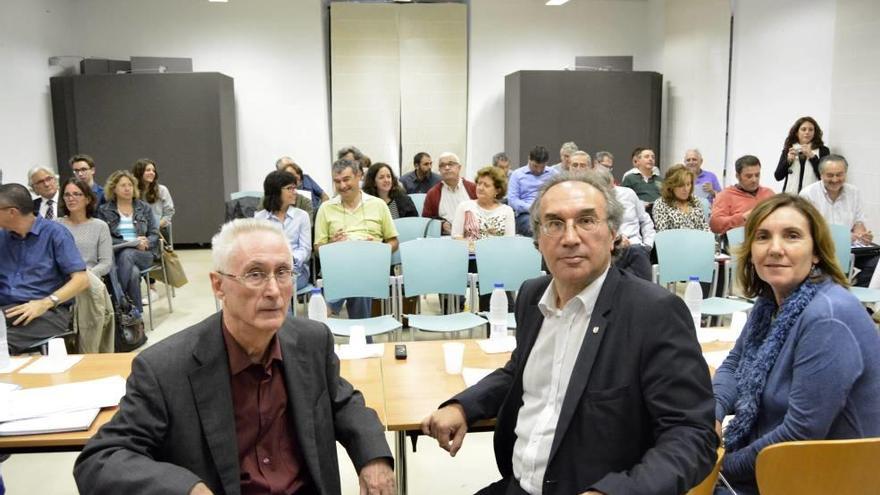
x,y
715,358
498,346
51,364
15,363
69,397
345,351
8,387
473,375
717,334
55,423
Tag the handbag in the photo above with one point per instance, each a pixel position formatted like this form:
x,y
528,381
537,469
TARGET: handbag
x,y
173,268
129,333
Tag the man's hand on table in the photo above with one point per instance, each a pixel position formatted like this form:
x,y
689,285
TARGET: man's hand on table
x,y
448,425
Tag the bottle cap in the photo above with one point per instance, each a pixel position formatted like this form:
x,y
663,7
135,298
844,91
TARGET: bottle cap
x,y
693,278
316,290
499,285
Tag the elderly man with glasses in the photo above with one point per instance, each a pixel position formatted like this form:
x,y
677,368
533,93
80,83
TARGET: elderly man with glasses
x,y
443,199
249,400
590,401
44,183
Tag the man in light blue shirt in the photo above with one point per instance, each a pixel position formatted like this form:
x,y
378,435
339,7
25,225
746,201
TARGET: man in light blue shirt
x,y
524,185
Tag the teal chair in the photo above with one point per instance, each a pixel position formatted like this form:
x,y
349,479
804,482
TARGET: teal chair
x,y
436,266
682,253
245,194
418,199
410,228
707,209
507,260
358,269
842,249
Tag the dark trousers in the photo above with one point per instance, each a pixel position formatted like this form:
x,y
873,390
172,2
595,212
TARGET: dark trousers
x,y
867,264
129,263
636,259
21,338
524,224
506,486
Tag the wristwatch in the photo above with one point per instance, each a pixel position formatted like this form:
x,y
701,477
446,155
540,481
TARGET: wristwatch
x,y
55,300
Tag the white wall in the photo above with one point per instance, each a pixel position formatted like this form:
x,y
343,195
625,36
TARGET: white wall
x,y
781,70
274,50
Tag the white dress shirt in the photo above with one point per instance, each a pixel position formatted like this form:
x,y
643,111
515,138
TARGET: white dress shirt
x,y
44,205
450,198
845,210
545,380
636,225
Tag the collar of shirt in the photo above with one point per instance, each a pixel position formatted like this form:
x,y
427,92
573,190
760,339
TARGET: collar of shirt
x,y
453,189
240,361
752,193
338,200
587,297
36,228
839,197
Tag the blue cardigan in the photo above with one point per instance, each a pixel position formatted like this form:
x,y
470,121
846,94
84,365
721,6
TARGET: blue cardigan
x,y
825,383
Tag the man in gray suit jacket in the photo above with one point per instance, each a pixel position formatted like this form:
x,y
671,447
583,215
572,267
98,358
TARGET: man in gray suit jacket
x,y
606,391
247,401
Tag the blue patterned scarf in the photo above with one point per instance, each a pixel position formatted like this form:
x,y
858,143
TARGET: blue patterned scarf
x,y
764,337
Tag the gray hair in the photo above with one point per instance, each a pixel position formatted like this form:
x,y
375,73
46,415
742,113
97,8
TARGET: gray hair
x,y
582,153
448,154
833,158
569,147
696,152
224,242
602,154
499,157
35,170
340,165
600,180
283,162
349,149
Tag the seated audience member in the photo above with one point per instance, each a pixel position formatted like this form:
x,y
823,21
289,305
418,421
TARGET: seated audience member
x,y
93,308
442,200
134,231
706,185
677,207
40,270
502,161
606,159
565,153
644,178
807,364
44,183
635,235
841,203
798,164
580,161
422,178
302,202
352,215
286,164
524,185
247,401
485,216
380,182
734,204
159,198
350,153
619,405
279,196
83,168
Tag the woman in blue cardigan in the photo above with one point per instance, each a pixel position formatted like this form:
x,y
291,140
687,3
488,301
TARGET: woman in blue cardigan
x,y
807,364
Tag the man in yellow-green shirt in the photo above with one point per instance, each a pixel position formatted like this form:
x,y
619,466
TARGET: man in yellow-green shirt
x,y
352,215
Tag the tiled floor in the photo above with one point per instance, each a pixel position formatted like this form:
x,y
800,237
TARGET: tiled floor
x,y
431,470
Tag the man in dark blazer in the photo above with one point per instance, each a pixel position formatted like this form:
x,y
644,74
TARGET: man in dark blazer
x,y
45,184
205,409
607,391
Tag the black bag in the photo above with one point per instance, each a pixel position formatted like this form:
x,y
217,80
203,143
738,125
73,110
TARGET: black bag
x,y
129,333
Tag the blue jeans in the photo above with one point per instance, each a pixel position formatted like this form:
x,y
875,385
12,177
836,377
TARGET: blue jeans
x,y
358,307
524,224
129,263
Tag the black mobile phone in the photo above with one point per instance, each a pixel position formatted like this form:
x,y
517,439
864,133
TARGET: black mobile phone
x,y
399,351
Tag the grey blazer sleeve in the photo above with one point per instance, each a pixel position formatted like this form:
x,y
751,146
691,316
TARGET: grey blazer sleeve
x,y
119,459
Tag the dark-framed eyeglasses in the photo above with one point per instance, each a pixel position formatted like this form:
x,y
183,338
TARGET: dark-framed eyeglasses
x,y
257,279
557,227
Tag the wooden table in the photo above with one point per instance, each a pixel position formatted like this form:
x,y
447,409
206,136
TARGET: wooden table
x,y
92,366
366,375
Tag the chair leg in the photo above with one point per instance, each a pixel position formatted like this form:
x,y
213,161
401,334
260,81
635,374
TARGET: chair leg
x,y
168,291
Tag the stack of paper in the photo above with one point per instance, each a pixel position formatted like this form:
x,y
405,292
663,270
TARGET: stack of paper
x,y
51,364
346,351
498,346
14,363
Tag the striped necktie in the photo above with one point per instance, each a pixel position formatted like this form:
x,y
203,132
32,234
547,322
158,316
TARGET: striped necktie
x,y
50,210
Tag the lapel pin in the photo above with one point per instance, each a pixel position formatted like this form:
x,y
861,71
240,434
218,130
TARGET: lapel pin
x,y
595,330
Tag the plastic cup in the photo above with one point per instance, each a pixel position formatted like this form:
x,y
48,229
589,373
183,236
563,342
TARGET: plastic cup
x,y
57,348
358,337
453,356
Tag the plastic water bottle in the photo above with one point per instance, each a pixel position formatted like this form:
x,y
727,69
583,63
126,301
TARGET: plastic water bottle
x,y
317,306
4,348
498,313
693,298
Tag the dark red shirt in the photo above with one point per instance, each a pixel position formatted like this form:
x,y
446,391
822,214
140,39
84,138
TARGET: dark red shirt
x,y
268,454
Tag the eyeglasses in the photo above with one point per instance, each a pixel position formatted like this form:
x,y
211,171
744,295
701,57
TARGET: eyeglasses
x,y
257,279
47,180
447,165
73,195
557,227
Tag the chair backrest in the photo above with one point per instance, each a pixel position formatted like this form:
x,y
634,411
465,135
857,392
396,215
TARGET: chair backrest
x,y
735,237
820,466
356,269
707,486
842,246
246,194
434,266
410,228
707,209
682,253
418,199
509,260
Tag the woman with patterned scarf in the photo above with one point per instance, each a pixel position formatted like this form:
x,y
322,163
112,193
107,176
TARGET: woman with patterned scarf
x,y
807,364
